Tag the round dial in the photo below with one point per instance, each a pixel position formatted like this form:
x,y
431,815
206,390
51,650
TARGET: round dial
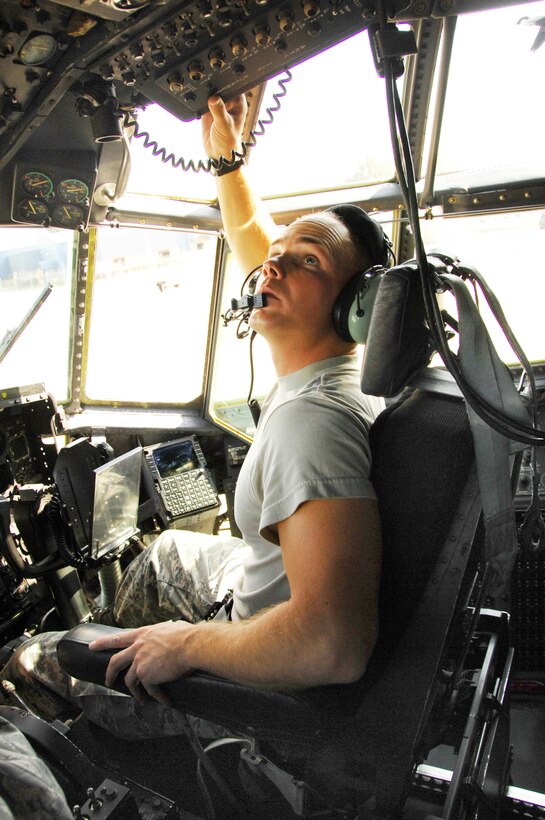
x,y
69,216
36,183
32,210
72,190
38,49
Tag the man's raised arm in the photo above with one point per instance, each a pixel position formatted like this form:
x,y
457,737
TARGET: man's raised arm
x,y
249,227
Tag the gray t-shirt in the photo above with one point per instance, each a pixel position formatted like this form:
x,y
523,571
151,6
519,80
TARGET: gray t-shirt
x,y
312,442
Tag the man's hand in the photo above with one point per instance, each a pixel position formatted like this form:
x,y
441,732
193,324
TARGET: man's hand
x,y
249,227
222,127
154,655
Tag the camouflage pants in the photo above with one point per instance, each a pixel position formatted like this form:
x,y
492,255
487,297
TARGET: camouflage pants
x,y
180,575
27,787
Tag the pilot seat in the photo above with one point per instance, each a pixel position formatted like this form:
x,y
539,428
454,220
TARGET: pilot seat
x,y
425,732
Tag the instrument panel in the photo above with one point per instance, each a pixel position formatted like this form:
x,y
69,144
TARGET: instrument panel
x,y
53,194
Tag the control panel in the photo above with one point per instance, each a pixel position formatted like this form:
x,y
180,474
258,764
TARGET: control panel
x,y
227,46
179,483
27,454
175,53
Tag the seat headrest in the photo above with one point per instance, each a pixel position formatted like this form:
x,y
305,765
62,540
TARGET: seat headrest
x,y
399,341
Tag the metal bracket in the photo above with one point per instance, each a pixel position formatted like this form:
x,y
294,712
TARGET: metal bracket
x,y
294,791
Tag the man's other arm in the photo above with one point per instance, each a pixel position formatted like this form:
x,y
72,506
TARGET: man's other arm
x,y
324,634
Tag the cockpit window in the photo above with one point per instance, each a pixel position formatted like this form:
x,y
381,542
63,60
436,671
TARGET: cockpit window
x,y
161,136
149,315
35,301
332,129
493,116
506,249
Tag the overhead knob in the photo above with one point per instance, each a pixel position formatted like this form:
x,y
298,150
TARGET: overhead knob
x,y
262,35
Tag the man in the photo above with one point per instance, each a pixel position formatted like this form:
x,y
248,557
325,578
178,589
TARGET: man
x,y
306,596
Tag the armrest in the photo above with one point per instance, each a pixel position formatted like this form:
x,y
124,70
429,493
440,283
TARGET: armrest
x,y
75,657
303,715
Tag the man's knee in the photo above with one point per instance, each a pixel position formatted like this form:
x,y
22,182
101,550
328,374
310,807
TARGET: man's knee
x,y
36,658
38,679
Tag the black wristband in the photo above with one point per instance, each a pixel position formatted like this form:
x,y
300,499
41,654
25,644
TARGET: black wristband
x,y
227,167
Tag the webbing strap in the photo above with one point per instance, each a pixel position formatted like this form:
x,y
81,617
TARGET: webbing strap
x,y
488,376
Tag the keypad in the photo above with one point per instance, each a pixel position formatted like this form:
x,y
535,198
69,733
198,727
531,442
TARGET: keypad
x,y
188,492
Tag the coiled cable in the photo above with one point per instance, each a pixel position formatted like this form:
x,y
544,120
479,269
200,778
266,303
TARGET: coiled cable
x,y
210,165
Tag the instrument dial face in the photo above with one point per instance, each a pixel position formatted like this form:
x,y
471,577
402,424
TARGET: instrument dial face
x,y
36,184
33,210
69,216
73,191
38,49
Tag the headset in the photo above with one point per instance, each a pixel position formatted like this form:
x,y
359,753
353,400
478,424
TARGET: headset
x,y
241,308
354,304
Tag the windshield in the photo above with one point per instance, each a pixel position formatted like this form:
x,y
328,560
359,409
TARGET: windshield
x,y
340,127
31,260
493,116
507,250
149,315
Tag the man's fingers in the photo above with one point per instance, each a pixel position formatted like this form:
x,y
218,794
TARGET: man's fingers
x,y
117,663
118,641
134,685
238,108
142,691
225,113
157,694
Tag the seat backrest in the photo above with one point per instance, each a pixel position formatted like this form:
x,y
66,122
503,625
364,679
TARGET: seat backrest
x,y
426,483
422,456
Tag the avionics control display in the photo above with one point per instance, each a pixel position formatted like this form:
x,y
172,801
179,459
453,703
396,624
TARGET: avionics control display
x,y
180,476
176,458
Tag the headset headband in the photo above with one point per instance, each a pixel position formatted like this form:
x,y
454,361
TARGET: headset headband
x,y
366,231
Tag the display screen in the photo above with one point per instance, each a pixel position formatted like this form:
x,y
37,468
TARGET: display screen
x,y
176,458
117,491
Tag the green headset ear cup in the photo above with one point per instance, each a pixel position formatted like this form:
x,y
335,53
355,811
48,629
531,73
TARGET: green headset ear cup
x,y
352,313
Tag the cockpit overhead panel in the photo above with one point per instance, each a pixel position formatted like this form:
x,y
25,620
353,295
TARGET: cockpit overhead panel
x,y
175,53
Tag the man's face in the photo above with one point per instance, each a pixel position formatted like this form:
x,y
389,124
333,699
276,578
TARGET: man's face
x,y
302,276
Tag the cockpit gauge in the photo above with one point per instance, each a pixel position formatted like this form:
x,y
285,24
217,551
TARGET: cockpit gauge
x,y
72,190
36,184
68,216
33,210
38,49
